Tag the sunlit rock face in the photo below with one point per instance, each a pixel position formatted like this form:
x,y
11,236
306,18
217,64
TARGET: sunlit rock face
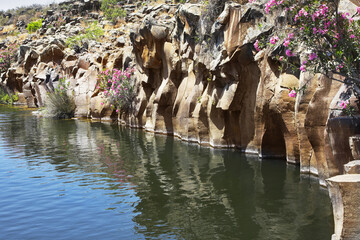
x,y
345,198
204,84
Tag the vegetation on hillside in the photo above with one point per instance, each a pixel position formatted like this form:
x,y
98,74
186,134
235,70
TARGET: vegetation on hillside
x,y
112,10
93,32
7,57
34,26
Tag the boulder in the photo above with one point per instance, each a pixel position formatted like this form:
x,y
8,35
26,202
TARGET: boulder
x,y
31,59
52,53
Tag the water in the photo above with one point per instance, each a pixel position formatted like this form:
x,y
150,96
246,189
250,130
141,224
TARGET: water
x,y
72,179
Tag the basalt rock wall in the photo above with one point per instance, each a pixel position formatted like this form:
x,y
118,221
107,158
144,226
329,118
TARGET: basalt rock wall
x,y
206,86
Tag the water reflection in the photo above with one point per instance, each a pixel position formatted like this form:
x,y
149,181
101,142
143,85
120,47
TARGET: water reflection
x,y
168,189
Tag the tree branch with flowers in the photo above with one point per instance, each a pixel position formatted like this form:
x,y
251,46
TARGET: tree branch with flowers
x,y
327,41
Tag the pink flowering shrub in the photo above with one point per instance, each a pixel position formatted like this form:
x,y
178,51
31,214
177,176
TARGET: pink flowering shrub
x,y
347,109
328,40
7,56
117,87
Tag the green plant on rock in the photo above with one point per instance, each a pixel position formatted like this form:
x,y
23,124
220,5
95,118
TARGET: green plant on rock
x,y
118,87
6,98
93,32
60,104
34,26
112,10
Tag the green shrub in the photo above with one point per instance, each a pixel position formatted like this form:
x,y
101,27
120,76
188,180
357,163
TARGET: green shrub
x,y
112,11
60,104
34,26
6,98
3,20
93,32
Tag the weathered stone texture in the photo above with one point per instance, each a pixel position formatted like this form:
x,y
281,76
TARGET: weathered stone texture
x,y
345,198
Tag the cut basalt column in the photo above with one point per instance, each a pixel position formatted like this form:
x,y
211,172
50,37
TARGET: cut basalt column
x,y
344,191
352,167
354,142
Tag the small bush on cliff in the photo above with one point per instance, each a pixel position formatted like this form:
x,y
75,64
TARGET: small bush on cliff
x,y
60,104
34,26
7,56
6,98
93,32
118,87
112,11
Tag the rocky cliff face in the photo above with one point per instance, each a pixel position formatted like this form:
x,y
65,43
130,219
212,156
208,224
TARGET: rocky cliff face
x,y
203,84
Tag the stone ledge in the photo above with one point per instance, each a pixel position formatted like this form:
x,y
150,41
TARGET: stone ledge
x,y
352,167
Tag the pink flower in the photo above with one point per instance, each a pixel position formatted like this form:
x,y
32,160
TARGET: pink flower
x,y
303,12
288,53
352,36
256,45
302,68
344,104
102,103
312,56
292,93
281,58
286,42
274,39
338,67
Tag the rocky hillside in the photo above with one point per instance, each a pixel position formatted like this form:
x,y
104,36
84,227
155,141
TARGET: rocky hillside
x,y
197,77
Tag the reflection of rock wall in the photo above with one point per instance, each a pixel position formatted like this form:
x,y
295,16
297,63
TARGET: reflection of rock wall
x,y
217,92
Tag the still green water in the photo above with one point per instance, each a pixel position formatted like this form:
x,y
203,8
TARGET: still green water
x,y
73,179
